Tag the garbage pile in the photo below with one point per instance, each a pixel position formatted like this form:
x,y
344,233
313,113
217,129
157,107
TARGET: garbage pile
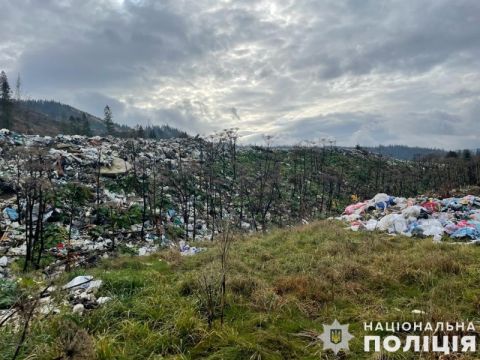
x,y
187,250
75,153
82,290
455,217
81,159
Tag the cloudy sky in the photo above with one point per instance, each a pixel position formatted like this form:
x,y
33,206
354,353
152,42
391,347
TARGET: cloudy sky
x,y
360,71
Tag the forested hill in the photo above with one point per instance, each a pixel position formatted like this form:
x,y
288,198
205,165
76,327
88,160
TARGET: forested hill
x,y
48,117
403,152
62,113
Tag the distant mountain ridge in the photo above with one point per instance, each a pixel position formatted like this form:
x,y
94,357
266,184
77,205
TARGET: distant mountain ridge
x,y
404,152
49,117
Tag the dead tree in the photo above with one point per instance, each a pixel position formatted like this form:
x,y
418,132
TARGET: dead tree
x,y
35,187
225,242
74,196
143,189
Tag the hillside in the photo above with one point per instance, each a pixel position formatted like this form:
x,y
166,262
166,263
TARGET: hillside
x,y
281,288
403,152
50,118
61,113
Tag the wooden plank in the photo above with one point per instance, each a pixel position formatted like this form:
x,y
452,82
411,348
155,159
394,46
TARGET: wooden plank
x,y
5,235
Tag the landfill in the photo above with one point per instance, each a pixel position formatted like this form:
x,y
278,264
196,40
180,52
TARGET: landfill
x,y
86,238
76,159
453,218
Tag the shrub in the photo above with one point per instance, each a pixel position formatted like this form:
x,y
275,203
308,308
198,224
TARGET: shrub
x,y
8,293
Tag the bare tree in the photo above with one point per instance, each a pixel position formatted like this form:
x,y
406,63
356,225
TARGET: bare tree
x,y
34,188
225,242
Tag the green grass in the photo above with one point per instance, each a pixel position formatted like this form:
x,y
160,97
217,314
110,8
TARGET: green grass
x,y
279,285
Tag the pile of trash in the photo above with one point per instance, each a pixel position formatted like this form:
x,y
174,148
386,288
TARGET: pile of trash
x,y
74,154
82,290
454,217
93,161
187,250
78,295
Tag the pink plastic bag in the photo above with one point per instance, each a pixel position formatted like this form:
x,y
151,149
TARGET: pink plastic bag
x,y
351,209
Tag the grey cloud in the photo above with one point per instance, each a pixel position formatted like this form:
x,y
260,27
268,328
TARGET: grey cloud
x,y
341,127
94,103
353,70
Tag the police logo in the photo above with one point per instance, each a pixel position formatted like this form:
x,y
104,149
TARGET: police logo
x,y
335,337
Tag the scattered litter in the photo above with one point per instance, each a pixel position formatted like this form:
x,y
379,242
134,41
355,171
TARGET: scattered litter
x,y
418,312
187,250
82,290
78,309
104,299
81,282
147,250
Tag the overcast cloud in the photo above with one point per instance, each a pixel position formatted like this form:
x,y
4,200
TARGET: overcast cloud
x,y
366,72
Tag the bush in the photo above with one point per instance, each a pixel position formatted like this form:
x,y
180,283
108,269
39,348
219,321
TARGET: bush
x,y
8,293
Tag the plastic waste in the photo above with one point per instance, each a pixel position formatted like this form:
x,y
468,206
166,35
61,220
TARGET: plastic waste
x,y
466,232
432,227
393,223
381,197
3,261
458,218
104,299
78,309
85,282
371,225
412,211
12,214
187,250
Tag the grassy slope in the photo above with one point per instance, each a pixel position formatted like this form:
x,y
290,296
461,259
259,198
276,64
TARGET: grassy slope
x,y
280,284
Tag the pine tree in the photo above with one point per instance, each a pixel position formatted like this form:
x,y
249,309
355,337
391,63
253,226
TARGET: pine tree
x,y
18,89
140,131
86,126
151,132
108,120
467,154
5,101
72,125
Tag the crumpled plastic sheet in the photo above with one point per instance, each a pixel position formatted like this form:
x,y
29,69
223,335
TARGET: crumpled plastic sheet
x,y
11,214
83,282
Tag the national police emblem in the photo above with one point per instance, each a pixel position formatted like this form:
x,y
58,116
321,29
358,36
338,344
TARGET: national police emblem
x,y
335,337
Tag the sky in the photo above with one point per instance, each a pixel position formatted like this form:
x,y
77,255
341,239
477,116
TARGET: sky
x,y
358,71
